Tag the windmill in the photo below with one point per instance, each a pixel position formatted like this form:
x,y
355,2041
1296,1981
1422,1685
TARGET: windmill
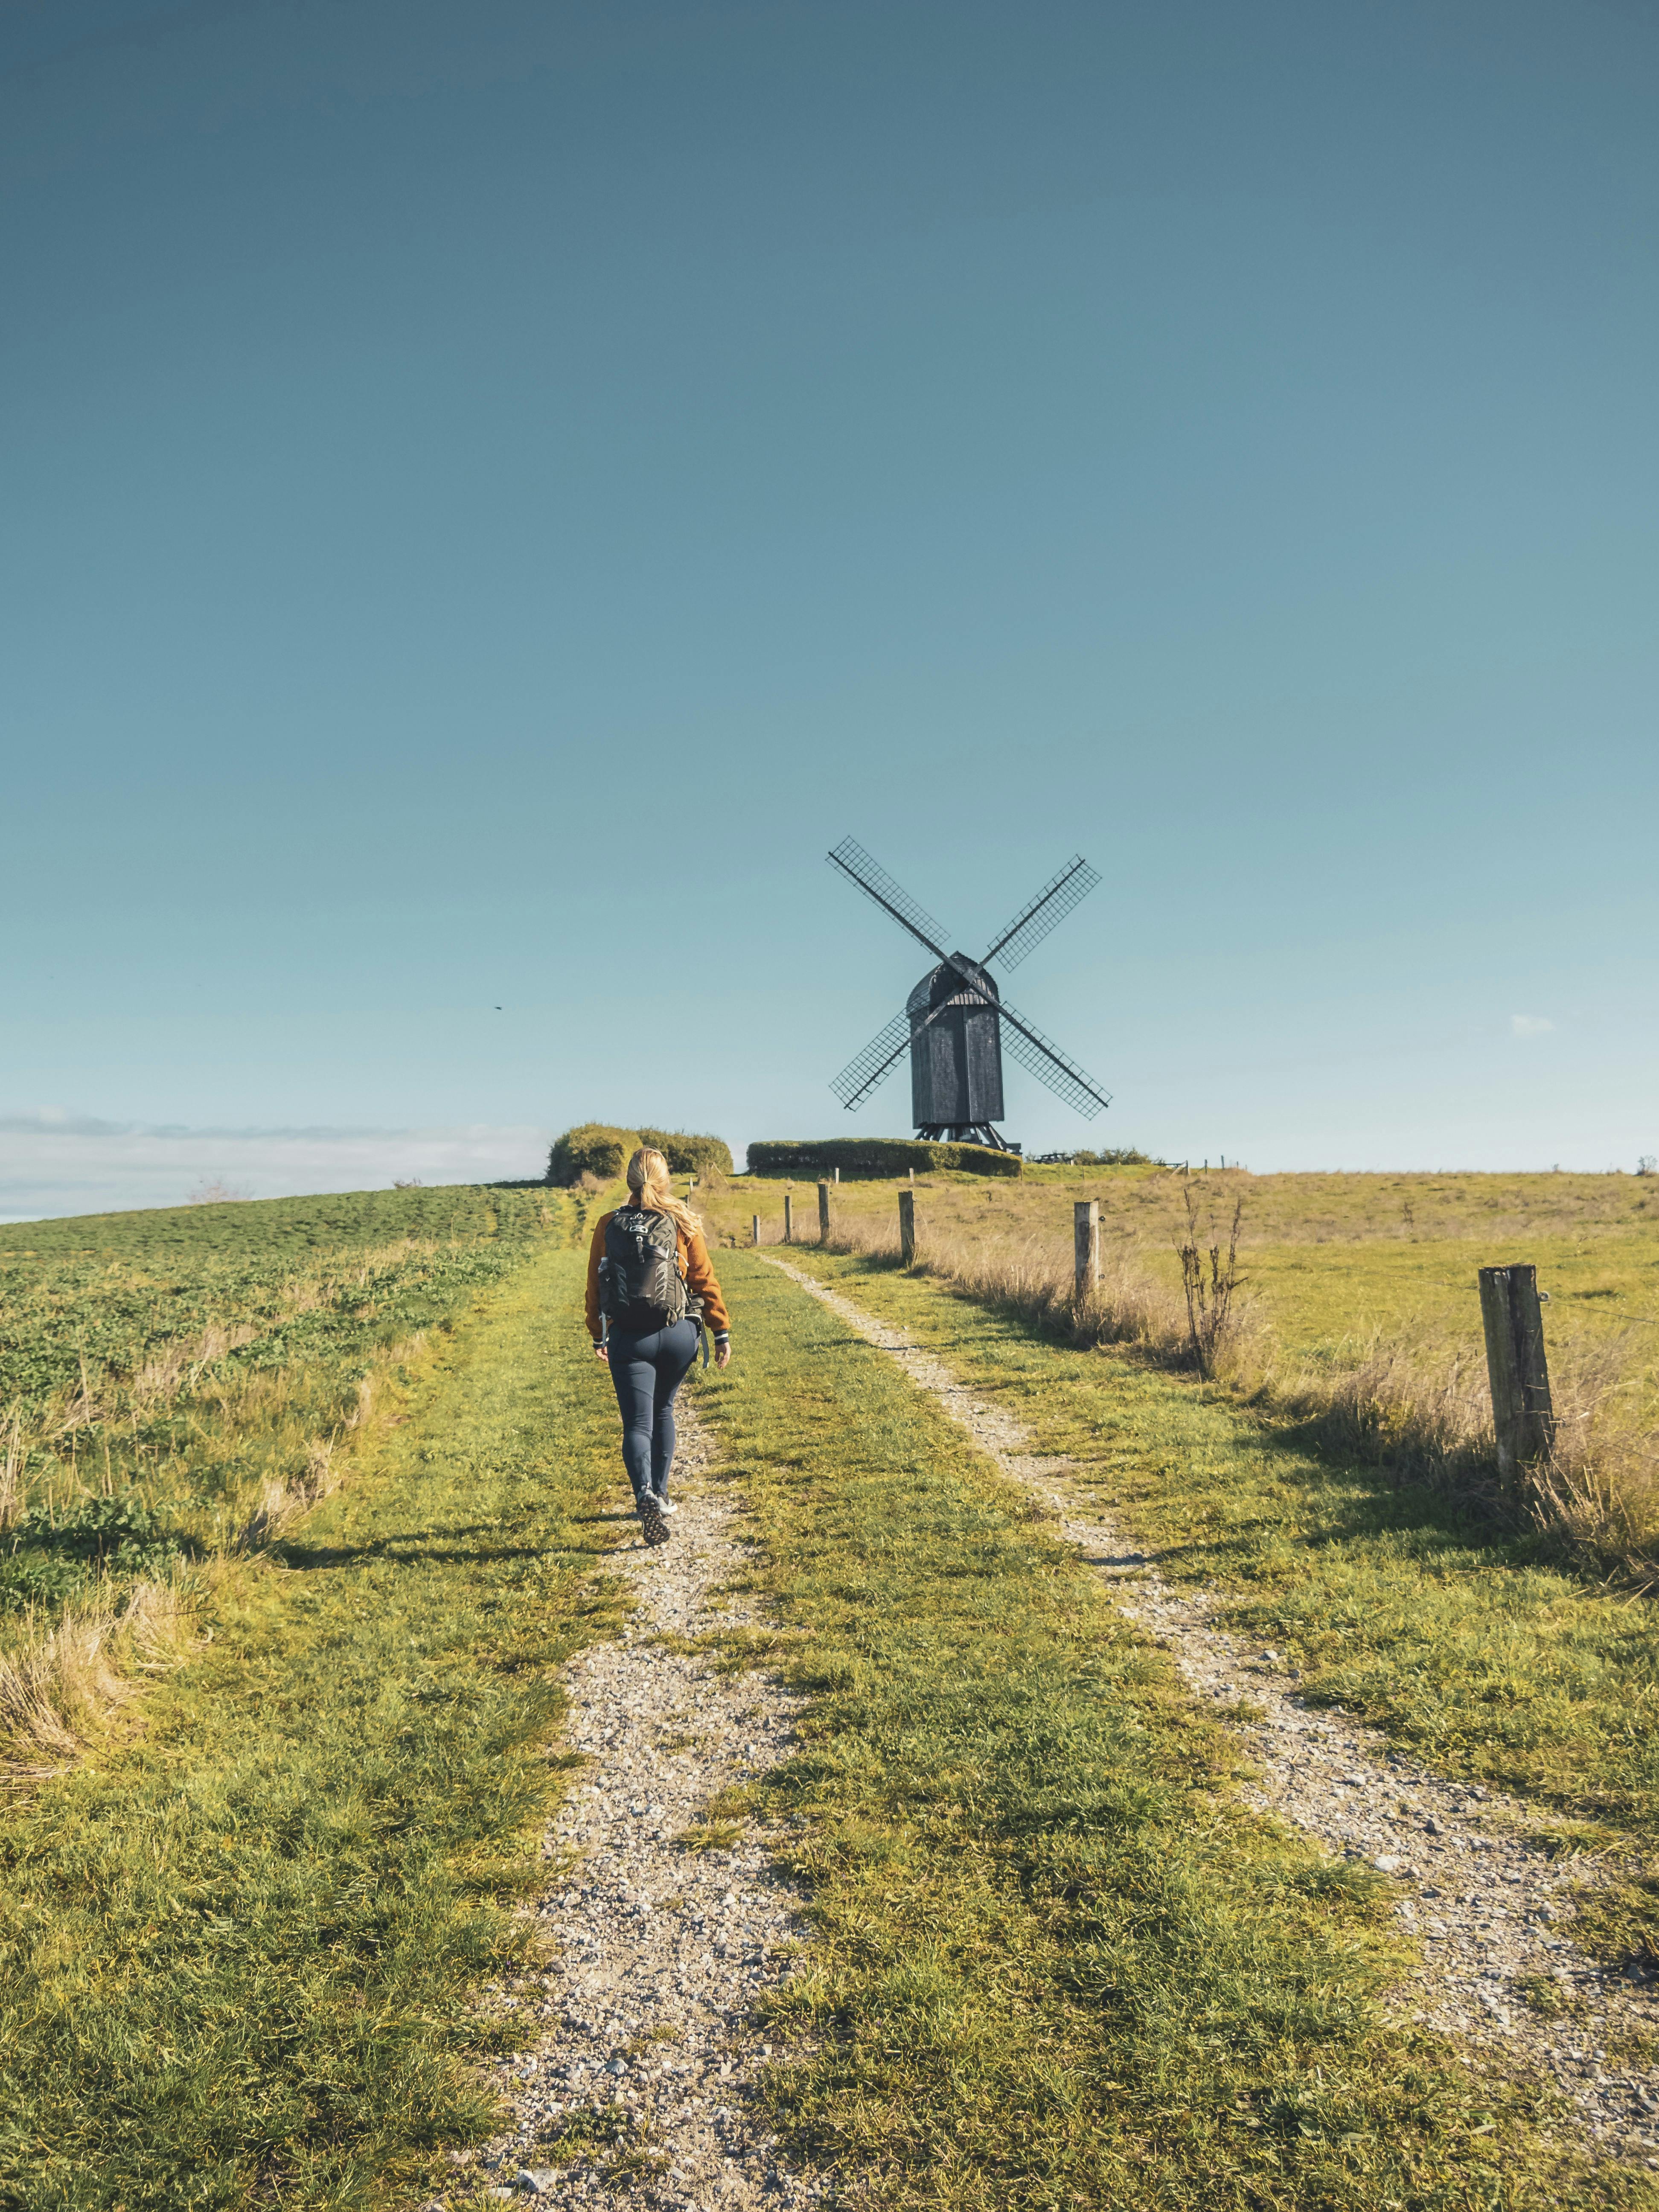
x,y
956,1020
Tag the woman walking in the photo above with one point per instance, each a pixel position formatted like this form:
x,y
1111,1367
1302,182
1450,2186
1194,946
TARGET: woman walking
x,y
650,1291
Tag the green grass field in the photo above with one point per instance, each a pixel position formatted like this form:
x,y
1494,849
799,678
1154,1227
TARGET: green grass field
x,y
1056,1962
176,1385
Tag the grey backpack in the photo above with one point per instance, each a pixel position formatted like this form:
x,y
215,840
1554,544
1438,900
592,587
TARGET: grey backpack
x,y
641,1285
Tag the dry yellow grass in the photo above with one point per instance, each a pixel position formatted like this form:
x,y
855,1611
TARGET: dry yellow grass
x,y
59,1688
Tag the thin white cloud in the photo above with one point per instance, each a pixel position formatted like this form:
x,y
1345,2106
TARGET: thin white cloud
x,y
80,1165
1529,1025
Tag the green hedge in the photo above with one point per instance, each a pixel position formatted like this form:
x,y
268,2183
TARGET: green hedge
x,y
875,1155
591,1148
1125,1156
595,1148
688,1154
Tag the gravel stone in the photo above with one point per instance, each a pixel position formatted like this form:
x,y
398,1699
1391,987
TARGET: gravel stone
x,y
651,2041
1486,1906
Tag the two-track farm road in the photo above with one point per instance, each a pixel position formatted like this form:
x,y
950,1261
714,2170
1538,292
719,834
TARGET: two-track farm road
x,y
1049,1950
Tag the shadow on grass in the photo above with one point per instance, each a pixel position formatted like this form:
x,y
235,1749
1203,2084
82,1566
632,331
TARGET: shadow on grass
x,y
413,1548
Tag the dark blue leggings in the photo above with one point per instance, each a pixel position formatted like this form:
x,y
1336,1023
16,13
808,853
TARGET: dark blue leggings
x,y
646,1372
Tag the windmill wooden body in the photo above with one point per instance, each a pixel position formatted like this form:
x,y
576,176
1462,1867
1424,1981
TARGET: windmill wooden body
x,y
956,1021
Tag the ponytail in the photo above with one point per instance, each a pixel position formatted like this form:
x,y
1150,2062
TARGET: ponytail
x,y
649,1187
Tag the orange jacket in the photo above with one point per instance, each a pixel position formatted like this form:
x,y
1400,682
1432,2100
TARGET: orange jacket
x,y
694,1265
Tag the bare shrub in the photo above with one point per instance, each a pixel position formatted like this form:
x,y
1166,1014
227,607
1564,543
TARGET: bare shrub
x,y
1209,1288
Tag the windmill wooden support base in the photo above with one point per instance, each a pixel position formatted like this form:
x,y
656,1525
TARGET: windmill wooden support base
x,y
964,1132
1513,1318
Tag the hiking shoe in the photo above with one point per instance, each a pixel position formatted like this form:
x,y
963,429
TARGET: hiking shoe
x,y
667,1504
653,1528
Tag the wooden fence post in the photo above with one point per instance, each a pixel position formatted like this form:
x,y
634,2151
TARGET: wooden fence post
x,y
754,1229
823,1213
1085,1240
907,1226
1513,1322
837,1175
788,1219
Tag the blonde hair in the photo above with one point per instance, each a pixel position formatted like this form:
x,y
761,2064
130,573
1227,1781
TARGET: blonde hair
x,y
648,1186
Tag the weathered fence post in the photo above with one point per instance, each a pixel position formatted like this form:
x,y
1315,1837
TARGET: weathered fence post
x,y
788,1219
1514,1323
837,1175
754,1229
823,1213
1086,1239
907,1226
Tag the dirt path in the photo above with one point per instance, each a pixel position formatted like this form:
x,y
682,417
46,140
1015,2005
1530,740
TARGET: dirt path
x,y
647,2068
1491,1914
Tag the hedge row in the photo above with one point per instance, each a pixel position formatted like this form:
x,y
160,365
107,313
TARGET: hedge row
x,y
595,1148
1125,1156
875,1155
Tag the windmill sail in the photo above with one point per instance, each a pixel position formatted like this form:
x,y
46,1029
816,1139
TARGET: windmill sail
x,y
876,884
868,1070
872,1066
1044,1060
1051,906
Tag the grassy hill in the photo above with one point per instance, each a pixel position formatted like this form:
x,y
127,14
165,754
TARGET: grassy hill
x,y
307,1508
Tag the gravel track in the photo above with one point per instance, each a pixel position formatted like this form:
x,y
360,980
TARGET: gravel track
x,y
1490,1913
651,2047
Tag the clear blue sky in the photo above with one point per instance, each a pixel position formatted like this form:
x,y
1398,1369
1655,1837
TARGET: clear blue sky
x,y
492,490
